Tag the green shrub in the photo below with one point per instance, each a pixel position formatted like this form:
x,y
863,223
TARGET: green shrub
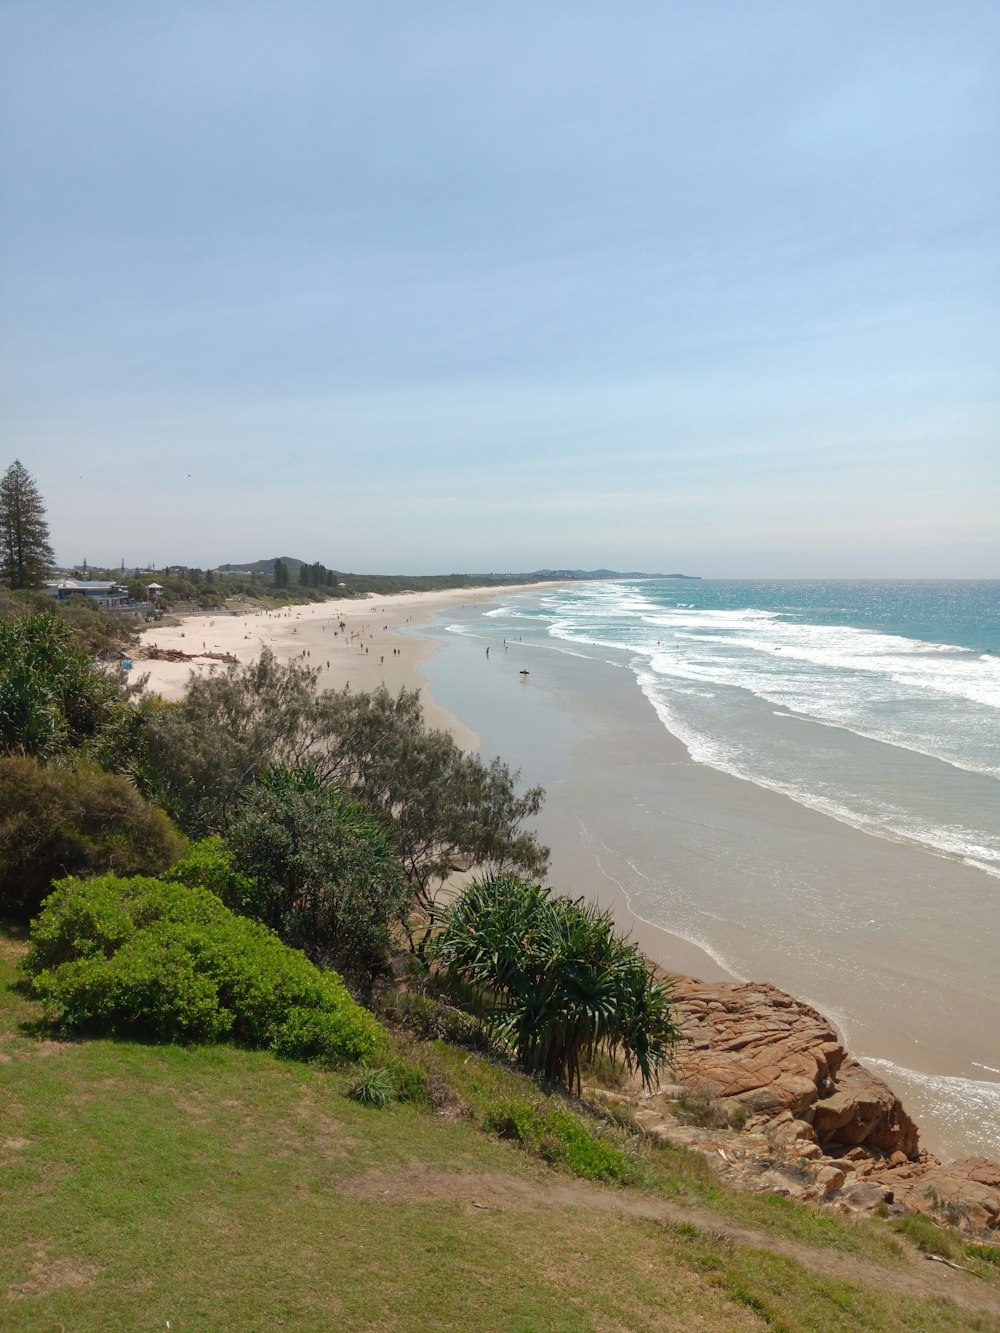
x,y
374,1088
563,984
56,822
147,959
209,864
319,1036
53,698
561,1139
320,871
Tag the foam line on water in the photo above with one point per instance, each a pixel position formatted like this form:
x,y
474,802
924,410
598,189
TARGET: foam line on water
x,y
587,841
712,752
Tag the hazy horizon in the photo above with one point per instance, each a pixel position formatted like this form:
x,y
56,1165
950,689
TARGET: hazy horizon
x,y
709,289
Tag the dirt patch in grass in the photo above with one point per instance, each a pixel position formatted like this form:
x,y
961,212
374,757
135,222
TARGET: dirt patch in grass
x,y
496,1192
47,1274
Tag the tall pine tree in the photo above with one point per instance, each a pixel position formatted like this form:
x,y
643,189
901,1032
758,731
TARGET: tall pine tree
x,y
25,554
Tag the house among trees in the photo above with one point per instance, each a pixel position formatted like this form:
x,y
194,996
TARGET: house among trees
x,y
108,596
153,590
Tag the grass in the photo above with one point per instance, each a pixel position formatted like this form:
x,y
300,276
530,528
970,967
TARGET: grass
x,y
675,1172
220,1188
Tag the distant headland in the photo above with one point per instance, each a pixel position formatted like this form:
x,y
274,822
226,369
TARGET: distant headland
x,y
294,566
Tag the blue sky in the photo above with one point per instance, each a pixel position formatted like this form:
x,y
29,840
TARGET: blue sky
x,y
426,287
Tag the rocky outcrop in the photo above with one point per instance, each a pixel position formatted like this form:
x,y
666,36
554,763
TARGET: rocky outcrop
x,y
863,1110
814,1124
964,1193
756,1046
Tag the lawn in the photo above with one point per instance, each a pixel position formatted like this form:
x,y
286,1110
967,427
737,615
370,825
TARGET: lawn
x,y
216,1188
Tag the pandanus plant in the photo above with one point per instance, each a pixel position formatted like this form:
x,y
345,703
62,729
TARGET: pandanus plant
x,y
559,983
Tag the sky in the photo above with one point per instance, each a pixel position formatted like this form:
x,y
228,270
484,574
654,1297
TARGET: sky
x,y
430,287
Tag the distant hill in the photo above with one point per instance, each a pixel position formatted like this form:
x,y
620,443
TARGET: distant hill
x,y
294,565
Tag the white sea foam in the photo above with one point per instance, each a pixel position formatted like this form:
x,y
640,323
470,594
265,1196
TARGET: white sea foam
x,y
928,700
882,818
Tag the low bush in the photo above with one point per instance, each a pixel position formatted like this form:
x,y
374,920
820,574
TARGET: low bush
x,y
374,1088
209,864
561,1139
159,961
56,822
428,1019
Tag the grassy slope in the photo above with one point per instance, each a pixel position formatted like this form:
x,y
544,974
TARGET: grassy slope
x,y
219,1189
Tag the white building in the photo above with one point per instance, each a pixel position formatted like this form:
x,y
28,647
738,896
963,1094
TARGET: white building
x,y
108,596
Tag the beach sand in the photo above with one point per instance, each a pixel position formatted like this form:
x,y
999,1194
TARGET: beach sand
x,y
365,654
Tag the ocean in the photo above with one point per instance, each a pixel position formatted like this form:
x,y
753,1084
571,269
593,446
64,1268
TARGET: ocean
x,y
874,706
912,667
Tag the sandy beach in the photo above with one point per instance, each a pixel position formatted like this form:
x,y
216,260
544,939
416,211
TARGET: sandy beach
x,y
365,653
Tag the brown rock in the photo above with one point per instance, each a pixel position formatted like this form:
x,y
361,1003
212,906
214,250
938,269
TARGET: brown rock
x,y
863,1196
830,1178
865,1110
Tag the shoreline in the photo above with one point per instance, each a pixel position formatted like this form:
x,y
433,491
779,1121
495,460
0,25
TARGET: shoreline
x,y
366,654
767,889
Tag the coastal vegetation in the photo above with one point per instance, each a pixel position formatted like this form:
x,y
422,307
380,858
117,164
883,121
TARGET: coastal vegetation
x,y
157,961
80,820
563,987
26,554
53,699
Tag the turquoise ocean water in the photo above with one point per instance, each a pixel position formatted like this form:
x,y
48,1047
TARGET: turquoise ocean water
x,y
731,667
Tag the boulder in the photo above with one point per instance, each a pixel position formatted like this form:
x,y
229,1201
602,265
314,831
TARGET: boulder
x,y
864,1110
829,1178
754,1042
775,1054
965,1193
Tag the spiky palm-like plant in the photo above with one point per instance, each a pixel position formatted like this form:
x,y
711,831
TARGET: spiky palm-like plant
x,y
561,983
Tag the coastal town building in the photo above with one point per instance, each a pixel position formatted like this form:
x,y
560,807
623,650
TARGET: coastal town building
x,y
107,595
